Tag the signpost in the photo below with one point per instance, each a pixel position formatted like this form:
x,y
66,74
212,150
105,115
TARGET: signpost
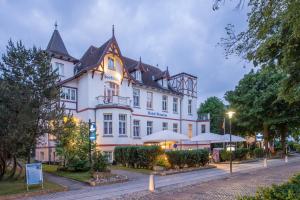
x,y
92,137
34,174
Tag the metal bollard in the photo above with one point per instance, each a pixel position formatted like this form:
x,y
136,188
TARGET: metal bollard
x,y
286,159
265,162
151,183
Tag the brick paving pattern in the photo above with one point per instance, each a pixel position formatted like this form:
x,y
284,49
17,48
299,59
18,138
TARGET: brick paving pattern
x,y
244,183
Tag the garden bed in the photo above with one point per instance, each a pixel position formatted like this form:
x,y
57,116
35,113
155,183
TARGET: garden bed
x,y
240,161
183,170
106,178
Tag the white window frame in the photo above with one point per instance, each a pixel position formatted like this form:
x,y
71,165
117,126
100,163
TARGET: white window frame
x,y
175,105
107,124
108,155
122,124
165,126
190,106
149,127
136,97
149,100
175,127
60,67
136,128
68,94
203,128
138,75
165,103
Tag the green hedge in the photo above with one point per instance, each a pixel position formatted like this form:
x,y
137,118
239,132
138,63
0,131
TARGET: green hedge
x,y
289,190
189,158
259,152
241,153
137,156
225,155
297,147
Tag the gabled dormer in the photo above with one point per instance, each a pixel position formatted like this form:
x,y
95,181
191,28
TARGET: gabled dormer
x,y
137,70
163,78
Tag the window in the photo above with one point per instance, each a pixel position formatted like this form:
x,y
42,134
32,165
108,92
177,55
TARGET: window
x,y
110,89
190,85
165,103
137,75
68,94
149,100
60,68
190,130
203,128
42,156
136,128
190,107
136,97
108,155
175,105
111,63
107,124
175,127
122,124
149,127
164,126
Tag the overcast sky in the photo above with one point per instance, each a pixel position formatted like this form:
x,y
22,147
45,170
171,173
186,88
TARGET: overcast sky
x,y
182,35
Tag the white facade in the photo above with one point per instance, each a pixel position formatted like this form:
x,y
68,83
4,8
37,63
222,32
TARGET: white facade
x,y
104,95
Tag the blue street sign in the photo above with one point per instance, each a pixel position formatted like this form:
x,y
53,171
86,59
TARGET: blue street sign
x,y
34,174
93,131
259,137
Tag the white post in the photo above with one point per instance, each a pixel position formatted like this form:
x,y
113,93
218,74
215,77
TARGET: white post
x,y
151,183
265,162
286,159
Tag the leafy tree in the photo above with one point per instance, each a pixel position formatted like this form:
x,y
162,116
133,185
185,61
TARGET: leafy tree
x,y
29,99
216,108
272,38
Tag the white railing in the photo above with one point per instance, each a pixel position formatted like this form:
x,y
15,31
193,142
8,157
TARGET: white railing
x,y
113,100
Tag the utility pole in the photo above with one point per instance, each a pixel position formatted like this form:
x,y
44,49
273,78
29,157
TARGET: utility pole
x,y
90,145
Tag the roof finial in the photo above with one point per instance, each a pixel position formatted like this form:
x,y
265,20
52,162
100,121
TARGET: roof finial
x,y
140,59
55,25
113,30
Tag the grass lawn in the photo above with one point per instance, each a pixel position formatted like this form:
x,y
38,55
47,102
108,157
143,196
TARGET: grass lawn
x,y
143,171
78,176
18,187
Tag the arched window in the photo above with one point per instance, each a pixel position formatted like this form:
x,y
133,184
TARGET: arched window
x,y
110,89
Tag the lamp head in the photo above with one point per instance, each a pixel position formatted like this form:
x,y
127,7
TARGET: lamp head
x,y
230,114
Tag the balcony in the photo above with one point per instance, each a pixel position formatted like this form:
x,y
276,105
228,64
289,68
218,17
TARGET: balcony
x,y
204,117
113,101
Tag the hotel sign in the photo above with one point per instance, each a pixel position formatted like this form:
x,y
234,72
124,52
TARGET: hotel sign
x,y
109,77
157,114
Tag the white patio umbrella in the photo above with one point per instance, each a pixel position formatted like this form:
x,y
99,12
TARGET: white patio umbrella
x,y
166,135
208,138
234,138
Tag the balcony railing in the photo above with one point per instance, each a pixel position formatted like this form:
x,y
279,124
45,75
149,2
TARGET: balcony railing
x,y
113,100
204,117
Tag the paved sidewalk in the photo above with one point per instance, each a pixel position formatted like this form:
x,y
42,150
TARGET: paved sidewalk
x,y
176,180
69,183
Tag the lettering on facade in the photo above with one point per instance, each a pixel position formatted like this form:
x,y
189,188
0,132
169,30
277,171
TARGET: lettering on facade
x,y
109,77
157,114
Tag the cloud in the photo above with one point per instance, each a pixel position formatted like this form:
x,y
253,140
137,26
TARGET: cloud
x,y
179,34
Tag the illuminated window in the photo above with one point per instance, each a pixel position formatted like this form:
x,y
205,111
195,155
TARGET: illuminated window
x,y
164,103
111,63
190,130
149,100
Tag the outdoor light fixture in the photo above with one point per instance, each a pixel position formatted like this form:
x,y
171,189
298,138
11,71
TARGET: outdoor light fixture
x,y
230,114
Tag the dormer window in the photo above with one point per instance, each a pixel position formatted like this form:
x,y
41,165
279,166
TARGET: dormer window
x,y
111,63
137,75
164,83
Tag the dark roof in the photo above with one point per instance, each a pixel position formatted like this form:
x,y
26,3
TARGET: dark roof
x,y
57,47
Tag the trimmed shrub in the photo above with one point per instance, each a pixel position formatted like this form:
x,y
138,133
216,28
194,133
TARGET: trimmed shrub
x,y
241,153
189,158
297,147
137,156
99,162
162,161
225,155
289,190
78,165
258,152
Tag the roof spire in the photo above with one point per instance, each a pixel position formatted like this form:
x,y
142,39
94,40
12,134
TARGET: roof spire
x,y
55,25
140,59
113,30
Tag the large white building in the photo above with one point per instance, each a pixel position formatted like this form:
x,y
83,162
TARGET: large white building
x,y
127,98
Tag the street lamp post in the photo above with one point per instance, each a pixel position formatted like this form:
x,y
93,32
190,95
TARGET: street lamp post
x,y
230,114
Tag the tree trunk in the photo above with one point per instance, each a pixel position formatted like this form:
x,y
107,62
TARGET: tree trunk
x,y
266,138
283,132
28,156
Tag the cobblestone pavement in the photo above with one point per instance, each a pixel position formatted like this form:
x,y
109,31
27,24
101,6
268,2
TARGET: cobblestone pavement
x,y
244,183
